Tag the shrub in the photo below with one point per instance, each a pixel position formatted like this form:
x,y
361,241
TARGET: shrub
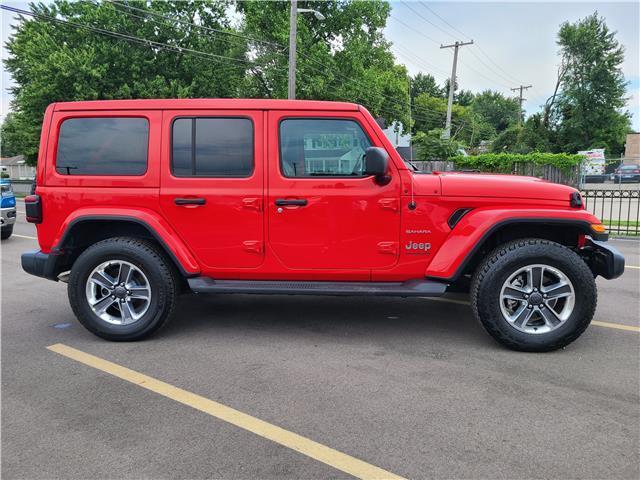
x,y
506,162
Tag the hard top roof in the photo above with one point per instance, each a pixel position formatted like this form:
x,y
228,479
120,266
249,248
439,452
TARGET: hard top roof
x,y
206,104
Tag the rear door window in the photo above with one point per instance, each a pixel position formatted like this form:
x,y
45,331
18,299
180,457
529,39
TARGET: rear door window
x,y
212,147
103,146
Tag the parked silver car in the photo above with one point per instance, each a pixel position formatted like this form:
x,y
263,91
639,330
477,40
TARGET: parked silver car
x,y
7,208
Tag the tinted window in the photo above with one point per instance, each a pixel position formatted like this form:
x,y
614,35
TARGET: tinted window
x,y
103,146
212,147
322,147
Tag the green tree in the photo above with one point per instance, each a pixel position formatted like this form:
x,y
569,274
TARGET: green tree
x,y
533,136
431,146
464,98
496,110
51,61
343,57
425,83
590,105
11,136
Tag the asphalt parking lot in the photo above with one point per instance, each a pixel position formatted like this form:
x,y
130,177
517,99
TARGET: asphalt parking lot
x,y
411,387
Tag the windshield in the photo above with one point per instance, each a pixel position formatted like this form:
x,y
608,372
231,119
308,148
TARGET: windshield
x,y
6,189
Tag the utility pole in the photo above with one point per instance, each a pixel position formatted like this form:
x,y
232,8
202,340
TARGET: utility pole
x,y
293,34
521,88
293,37
452,83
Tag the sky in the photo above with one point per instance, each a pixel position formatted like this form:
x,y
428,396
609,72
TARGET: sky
x,y
514,43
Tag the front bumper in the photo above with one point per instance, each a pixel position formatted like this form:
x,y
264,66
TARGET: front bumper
x,y
603,259
8,216
40,264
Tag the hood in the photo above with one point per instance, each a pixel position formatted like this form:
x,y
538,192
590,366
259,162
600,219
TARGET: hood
x,y
502,186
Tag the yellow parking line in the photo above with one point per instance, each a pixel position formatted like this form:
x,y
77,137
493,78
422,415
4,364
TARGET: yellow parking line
x,y
632,266
617,326
25,236
315,450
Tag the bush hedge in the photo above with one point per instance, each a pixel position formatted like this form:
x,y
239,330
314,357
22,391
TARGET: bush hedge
x,y
506,162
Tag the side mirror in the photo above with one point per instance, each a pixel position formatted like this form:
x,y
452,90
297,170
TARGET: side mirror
x,y
376,163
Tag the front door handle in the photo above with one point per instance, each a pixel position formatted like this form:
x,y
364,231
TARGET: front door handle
x,y
294,202
190,201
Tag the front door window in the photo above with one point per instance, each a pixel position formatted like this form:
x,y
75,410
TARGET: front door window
x,y
322,148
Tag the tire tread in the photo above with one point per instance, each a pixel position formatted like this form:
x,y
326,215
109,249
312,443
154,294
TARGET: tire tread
x,y
492,262
133,247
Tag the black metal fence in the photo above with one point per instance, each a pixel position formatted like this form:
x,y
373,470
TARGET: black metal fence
x,y
618,209
548,172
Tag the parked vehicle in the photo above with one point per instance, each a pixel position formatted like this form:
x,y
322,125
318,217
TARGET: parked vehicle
x,y
7,209
593,168
138,200
626,173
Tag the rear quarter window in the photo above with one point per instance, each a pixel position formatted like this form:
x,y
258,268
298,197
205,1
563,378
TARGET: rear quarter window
x,y
103,146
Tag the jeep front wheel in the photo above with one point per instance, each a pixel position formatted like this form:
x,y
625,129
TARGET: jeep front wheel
x,y
122,289
534,295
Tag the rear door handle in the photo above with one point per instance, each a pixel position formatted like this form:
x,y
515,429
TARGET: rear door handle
x,y
190,201
297,202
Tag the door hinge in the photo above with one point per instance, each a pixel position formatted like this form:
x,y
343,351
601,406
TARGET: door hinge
x,y
388,247
252,246
389,204
252,204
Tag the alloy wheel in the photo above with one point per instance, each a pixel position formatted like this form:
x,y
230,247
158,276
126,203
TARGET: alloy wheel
x,y
537,299
118,292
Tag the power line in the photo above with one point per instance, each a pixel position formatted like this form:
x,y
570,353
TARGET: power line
x,y
210,29
272,44
414,29
504,76
454,28
426,19
177,49
420,62
126,37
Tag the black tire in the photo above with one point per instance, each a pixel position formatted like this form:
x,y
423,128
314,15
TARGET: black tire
x,y
150,260
507,259
6,232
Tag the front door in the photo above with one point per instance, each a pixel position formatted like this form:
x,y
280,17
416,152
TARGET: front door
x,y
212,185
323,212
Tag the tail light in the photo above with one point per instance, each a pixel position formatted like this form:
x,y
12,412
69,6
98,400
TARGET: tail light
x,y
33,207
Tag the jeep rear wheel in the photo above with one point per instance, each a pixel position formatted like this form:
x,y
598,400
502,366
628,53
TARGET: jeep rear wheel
x,y
534,295
122,289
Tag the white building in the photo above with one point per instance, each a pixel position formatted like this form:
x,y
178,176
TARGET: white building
x,y
17,168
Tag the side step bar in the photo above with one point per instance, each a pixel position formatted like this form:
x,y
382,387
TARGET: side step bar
x,y
411,288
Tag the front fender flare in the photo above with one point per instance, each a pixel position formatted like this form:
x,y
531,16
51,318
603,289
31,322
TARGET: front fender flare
x,y
468,236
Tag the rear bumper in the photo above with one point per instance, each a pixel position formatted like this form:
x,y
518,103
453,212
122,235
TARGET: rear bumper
x,y
603,259
39,264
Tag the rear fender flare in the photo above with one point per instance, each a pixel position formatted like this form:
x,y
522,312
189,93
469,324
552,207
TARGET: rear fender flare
x,y
157,226
473,230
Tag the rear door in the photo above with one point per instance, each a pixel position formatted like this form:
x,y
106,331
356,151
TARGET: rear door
x,y
212,185
323,213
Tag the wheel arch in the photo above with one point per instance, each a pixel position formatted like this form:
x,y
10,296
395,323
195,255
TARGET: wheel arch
x,y
463,250
83,231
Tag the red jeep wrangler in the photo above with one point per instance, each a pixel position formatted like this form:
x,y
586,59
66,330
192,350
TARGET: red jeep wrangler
x,y
138,200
